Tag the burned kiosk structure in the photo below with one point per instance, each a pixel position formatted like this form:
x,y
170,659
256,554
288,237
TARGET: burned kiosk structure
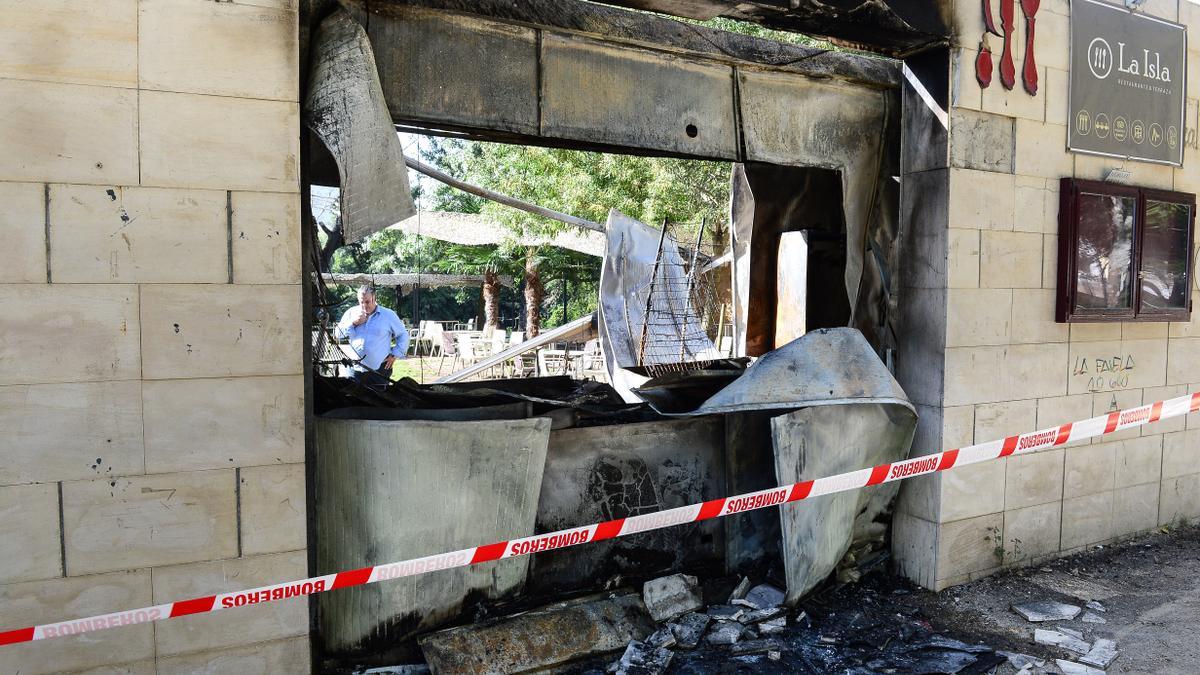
x,y
816,269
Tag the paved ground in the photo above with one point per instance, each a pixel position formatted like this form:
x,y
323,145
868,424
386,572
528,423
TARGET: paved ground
x,y
1149,586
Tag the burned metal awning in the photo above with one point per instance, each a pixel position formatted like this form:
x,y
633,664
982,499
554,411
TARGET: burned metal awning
x,y
893,27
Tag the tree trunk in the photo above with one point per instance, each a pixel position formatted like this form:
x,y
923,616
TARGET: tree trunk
x,y
534,292
491,298
334,240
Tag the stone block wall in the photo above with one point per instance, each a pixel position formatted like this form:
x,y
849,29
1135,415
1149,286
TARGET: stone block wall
x,y
1008,367
151,389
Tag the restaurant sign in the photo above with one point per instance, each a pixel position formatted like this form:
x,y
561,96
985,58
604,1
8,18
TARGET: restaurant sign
x,y
1128,74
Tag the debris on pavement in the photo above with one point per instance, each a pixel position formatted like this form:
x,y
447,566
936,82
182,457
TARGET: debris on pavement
x,y
1095,606
1022,661
1102,653
1072,668
1078,634
669,597
1092,617
1058,639
1047,610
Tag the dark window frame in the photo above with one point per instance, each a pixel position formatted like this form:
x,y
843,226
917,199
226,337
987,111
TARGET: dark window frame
x,y
1068,243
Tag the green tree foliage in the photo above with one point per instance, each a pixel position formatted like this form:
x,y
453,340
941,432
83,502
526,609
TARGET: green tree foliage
x,y
583,184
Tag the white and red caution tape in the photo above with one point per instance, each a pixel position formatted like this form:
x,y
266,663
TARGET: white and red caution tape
x,y
884,473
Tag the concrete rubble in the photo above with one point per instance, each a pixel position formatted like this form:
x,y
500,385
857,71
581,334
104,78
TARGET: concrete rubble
x,y
1092,617
669,597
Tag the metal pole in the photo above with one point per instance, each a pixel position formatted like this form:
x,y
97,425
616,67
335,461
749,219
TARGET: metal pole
x,y
650,294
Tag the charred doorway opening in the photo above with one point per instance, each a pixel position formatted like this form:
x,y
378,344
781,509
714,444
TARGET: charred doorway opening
x,y
796,262
815,137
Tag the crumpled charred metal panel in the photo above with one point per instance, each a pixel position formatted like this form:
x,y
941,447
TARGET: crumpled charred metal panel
x,y
625,281
831,366
347,111
382,492
865,419
825,440
596,474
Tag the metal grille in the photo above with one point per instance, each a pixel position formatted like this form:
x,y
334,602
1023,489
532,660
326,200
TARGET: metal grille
x,y
684,311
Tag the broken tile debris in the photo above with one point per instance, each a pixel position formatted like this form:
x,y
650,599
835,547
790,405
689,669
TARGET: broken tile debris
x,y
761,615
1057,639
763,596
669,597
642,659
1102,653
1095,606
663,637
1092,617
1072,668
689,629
725,633
727,612
1070,631
773,626
1022,661
756,647
1047,610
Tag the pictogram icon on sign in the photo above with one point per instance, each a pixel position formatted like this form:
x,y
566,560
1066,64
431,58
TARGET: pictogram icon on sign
x,y
1102,125
1083,122
1156,135
1138,132
1100,58
1120,129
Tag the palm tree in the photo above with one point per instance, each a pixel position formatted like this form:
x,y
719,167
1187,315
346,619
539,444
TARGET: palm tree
x,y
489,261
535,291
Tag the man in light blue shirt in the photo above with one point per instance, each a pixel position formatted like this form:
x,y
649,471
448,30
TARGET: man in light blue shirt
x,y
371,330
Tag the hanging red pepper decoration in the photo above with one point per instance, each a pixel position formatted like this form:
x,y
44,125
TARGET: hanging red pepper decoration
x,y
1008,71
1029,74
983,64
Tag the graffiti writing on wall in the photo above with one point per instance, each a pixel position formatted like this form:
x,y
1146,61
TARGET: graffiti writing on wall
x,y
1006,31
1104,372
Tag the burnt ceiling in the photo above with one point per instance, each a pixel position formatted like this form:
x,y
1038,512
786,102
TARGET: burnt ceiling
x,y
893,27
